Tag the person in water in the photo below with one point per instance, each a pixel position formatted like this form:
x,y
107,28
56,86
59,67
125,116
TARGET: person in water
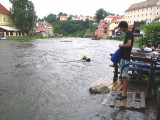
x,y
86,59
126,49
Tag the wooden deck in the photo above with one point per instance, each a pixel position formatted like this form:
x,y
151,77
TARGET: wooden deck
x,y
134,101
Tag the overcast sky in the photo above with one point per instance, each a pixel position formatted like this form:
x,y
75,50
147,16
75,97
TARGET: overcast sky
x,y
77,7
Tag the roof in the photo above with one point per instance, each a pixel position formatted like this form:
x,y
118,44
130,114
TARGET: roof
x,y
113,16
8,28
40,29
3,10
44,23
63,16
114,20
140,5
103,21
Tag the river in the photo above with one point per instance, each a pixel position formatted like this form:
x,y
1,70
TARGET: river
x,y
45,79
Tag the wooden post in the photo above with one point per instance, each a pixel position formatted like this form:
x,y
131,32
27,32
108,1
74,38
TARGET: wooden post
x,y
151,78
115,78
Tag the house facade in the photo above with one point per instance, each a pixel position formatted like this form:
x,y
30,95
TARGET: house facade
x,y
113,22
103,29
6,23
62,17
44,29
143,11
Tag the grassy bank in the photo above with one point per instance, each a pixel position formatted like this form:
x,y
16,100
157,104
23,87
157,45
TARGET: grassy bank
x,y
28,37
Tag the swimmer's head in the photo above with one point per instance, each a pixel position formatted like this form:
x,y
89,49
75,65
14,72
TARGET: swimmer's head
x,y
88,59
84,56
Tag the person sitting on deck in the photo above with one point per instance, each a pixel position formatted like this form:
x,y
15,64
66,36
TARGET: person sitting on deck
x,y
148,48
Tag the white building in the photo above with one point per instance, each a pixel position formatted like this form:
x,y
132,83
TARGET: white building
x,y
143,11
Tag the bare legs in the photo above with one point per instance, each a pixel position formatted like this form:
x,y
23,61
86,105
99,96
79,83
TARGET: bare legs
x,y
125,86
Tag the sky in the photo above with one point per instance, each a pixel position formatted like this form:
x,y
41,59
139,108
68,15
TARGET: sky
x,y
77,7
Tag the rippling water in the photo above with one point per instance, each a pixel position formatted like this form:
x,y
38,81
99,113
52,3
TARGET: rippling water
x,y
45,79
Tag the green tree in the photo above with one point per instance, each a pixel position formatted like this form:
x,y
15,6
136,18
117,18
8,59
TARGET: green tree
x,y
23,14
51,18
101,14
152,34
57,29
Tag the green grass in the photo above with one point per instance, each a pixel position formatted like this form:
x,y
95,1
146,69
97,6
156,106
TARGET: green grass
x,y
27,38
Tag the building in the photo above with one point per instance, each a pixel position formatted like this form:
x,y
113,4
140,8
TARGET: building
x,y
62,17
6,23
143,11
113,22
110,18
44,28
103,29
157,19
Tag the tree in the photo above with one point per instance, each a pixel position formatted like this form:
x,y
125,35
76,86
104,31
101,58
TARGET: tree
x,y
101,14
57,29
23,14
152,34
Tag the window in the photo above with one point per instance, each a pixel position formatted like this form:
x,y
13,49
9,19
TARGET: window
x,y
142,14
4,19
134,15
138,15
157,13
146,14
151,8
150,13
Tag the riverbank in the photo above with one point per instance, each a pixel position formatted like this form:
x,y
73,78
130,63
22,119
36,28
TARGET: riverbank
x,y
30,37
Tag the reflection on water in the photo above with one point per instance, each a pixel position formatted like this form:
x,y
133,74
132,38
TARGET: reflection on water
x,y
46,80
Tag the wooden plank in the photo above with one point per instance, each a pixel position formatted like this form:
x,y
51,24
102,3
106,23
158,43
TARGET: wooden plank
x,y
113,102
133,100
123,103
142,100
106,99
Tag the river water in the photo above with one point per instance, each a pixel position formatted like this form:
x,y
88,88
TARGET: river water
x,y
45,79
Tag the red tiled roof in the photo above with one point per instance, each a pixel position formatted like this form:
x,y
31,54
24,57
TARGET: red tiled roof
x,y
63,16
3,10
113,16
40,29
44,23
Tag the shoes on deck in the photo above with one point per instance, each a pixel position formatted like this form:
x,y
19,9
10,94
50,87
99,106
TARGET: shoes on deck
x,y
119,94
121,97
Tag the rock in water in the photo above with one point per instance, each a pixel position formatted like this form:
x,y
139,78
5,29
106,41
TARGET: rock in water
x,y
99,86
